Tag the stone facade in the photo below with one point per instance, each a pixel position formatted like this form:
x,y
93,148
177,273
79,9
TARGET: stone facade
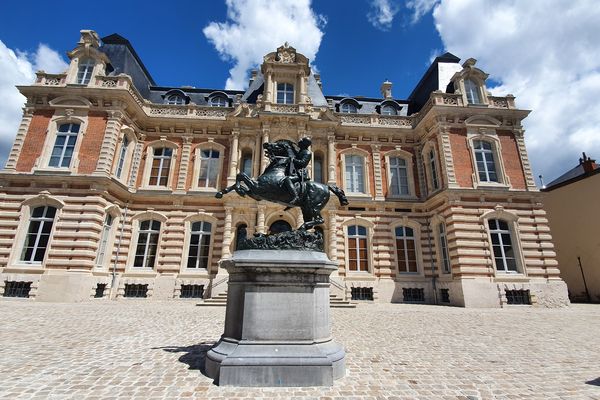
x,y
109,188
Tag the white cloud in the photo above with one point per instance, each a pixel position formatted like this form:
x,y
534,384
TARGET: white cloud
x,y
545,53
382,14
18,68
257,27
420,8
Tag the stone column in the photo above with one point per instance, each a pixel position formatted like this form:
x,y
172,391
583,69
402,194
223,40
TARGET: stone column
x,y
233,157
520,139
227,233
376,154
137,157
109,143
264,161
260,219
185,162
11,163
331,159
447,167
332,235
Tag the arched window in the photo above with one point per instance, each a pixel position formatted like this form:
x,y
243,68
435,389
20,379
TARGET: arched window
x,y
104,237
280,226
147,244
241,233
444,257
62,152
175,99
38,234
199,245
161,166
388,109
472,92
355,174
358,255
504,253
484,157
84,71
209,168
122,155
406,249
398,177
318,168
348,108
285,93
246,164
218,101
435,183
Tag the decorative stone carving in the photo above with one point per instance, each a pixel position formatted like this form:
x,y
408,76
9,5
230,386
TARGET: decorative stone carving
x,y
293,240
286,54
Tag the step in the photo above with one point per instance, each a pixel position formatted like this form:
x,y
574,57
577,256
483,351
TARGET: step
x,y
220,300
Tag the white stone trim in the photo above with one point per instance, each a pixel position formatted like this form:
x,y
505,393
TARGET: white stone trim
x,y
135,231
490,136
416,227
187,223
427,148
209,145
366,171
408,157
108,256
149,156
434,224
128,132
358,220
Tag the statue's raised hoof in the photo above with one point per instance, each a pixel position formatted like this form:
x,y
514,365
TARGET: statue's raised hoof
x,y
219,195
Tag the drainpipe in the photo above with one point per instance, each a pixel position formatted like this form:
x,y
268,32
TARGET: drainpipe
x,y
587,292
432,263
114,268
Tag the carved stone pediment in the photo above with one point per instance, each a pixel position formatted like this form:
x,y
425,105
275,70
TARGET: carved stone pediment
x,y
286,54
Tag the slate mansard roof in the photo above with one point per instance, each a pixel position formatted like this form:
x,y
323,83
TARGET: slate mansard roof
x,y
124,59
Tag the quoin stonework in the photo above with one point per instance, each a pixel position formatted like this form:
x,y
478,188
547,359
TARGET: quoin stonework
x,y
109,189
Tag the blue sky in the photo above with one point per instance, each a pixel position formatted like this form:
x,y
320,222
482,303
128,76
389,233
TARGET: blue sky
x,y
545,52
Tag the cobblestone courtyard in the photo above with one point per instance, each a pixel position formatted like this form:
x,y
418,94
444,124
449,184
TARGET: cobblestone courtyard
x,y
153,350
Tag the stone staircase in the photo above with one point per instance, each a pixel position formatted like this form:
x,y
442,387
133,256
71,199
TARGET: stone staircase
x,y
220,300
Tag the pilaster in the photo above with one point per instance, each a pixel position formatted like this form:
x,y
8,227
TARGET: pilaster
x,y
11,163
260,219
137,157
109,143
446,158
520,139
185,162
332,235
264,161
227,234
331,158
376,154
233,157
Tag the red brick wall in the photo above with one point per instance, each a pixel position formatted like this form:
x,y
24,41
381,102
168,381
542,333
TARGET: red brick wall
x,y
461,155
92,143
512,162
34,140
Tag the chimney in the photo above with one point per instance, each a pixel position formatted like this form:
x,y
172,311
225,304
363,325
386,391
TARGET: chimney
x,y
253,74
588,164
318,79
386,89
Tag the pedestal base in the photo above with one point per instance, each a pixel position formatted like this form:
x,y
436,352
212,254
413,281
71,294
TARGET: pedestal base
x,y
277,326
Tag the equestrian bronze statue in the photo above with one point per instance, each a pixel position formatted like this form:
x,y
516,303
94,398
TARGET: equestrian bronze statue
x,y
286,181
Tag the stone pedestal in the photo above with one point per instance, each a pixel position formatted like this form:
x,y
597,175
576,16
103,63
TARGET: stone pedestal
x,y
277,326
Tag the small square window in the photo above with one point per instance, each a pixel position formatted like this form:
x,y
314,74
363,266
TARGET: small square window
x,y
413,295
136,290
362,293
16,289
517,297
445,295
192,291
100,288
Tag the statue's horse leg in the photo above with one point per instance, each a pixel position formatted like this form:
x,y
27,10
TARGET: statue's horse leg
x,y
241,177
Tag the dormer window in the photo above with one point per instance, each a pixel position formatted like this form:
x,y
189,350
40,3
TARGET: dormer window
x,y
285,93
218,101
175,99
348,108
84,72
472,92
389,109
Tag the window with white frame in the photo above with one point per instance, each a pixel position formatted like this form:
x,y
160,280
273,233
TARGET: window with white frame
x,y
285,93
389,110
175,99
64,145
435,183
147,244
209,168
218,101
104,237
472,92
444,258
84,71
161,166
38,234
398,177
358,254
504,252
406,249
246,164
355,174
484,158
318,168
199,249
348,108
122,155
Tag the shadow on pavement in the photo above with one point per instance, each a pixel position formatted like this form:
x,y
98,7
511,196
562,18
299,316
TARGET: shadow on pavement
x,y
595,382
193,356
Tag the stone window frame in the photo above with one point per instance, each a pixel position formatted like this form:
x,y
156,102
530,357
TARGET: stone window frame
x,y
416,227
187,226
208,145
99,67
149,158
26,208
366,156
475,75
370,260
408,158
128,132
115,212
136,220
434,224
246,150
285,81
487,134
350,101
180,94
425,154
218,95
513,225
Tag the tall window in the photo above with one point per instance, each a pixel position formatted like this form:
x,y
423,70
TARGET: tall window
x,y
358,255
218,101
122,155
504,254
406,249
161,165
348,108
241,233
108,221
398,177
484,156
38,234
435,183
444,248
147,244
389,110
84,72
199,245
209,168
285,93
175,99
318,168
472,92
355,177
62,153
246,166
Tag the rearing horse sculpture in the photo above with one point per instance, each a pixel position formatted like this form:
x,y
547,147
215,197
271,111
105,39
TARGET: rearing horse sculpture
x,y
313,196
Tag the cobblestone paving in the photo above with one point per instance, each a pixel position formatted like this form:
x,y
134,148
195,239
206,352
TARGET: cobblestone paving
x,y
154,350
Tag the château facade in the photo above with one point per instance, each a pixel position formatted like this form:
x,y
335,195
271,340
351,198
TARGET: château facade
x,y
109,189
